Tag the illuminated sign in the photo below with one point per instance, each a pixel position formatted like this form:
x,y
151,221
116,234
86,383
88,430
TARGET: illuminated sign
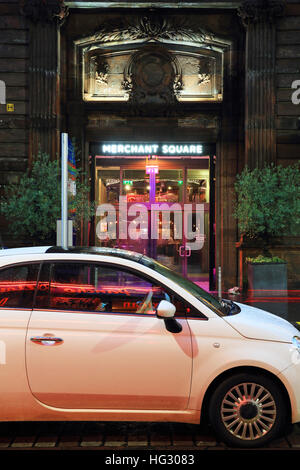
x,y
151,149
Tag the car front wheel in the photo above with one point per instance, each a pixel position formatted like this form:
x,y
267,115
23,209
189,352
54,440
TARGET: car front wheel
x,y
247,410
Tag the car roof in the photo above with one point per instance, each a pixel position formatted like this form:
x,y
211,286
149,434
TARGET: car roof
x,y
116,252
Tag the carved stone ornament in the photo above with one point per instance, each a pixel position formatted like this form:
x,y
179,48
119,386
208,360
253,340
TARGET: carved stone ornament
x,y
44,11
150,27
127,86
101,70
254,11
204,71
178,84
150,81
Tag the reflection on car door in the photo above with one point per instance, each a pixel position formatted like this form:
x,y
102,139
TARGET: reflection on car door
x,y
94,341
17,288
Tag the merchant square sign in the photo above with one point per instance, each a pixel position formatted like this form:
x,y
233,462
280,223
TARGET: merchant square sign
x,y
151,149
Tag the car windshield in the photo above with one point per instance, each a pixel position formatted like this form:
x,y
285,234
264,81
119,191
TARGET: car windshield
x,y
188,285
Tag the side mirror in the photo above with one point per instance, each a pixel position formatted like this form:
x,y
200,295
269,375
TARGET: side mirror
x,y
165,309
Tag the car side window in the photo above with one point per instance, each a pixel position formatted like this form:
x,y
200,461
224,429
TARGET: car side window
x,y
127,292
185,309
96,288
17,285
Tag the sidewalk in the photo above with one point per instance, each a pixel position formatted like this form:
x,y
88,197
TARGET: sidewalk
x,y
121,436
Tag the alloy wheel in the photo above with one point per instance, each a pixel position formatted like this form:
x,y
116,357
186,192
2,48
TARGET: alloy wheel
x,y
248,411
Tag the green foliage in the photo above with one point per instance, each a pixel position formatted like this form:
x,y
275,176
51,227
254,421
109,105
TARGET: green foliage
x,y
260,259
268,201
33,206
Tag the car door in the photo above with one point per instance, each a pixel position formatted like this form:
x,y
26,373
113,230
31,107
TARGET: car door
x,y
17,287
94,341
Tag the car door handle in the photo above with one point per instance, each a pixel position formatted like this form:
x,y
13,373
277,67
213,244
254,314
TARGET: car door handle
x,y
46,340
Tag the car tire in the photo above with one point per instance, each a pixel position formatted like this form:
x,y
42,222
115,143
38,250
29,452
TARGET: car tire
x,y
247,410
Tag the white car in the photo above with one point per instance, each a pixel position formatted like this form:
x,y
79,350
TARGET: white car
x,y
106,334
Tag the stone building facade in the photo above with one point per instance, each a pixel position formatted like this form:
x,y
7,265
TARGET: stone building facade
x,y
217,74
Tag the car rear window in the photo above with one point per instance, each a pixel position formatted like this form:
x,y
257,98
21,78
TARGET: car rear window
x,y
17,285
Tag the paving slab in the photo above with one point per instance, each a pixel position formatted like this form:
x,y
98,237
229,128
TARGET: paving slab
x,y
137,435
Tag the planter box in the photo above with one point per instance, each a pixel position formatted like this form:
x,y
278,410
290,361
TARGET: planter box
x,y
267,276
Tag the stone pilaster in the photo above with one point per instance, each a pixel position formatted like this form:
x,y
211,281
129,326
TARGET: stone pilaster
x,y
258,17
45,19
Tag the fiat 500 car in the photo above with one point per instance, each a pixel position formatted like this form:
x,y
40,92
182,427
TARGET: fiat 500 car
x,y
107,334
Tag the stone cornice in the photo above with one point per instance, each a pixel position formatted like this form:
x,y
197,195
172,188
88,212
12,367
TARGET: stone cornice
x,y
90,4
151,27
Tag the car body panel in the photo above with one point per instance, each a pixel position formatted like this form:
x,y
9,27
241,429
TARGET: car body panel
x,y
109,361
14,388
255,323
218,348
290,377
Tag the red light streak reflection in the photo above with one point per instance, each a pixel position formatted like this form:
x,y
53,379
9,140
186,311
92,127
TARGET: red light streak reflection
x,y
16,286
68,288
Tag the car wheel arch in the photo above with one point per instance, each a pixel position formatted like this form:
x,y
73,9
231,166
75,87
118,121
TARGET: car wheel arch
x,y
235,371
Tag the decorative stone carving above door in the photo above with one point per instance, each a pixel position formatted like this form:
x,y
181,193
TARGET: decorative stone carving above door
x,y
152,72
151,61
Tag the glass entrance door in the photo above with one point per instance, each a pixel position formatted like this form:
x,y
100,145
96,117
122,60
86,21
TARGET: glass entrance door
x,y
161,192
167,207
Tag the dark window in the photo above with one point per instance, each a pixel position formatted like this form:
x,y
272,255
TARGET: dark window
x,y
185,309
99,288
17,285
96,288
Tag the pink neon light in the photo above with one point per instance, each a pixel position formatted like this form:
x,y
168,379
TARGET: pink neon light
x,y
259,300
151,169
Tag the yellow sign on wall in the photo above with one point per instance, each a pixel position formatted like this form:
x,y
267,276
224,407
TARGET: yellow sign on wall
x,y
10,107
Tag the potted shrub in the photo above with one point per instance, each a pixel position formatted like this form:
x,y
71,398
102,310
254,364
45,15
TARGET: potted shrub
x,y
267,273
267,207
33,205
